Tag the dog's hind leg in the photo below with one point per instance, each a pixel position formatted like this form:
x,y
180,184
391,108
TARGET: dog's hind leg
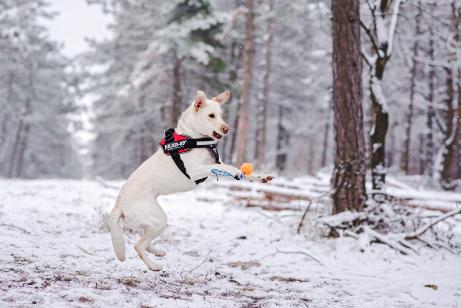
x,y
150,233
154,222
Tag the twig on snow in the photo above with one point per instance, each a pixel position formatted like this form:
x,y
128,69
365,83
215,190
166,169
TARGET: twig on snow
x,y
304,216
85,251
200,264
294,252
11,226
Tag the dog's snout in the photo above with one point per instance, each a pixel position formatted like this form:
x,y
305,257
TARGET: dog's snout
x,y
225,129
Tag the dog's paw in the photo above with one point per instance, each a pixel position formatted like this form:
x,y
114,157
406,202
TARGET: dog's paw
x,y
156,252
265,178
153,266
239,175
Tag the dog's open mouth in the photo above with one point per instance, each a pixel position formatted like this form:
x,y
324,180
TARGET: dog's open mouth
x,y
216,135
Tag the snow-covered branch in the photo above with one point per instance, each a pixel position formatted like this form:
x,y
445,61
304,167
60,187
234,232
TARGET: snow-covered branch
x,y
393,25
420,231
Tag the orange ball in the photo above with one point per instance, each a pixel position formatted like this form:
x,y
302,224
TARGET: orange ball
x,y
247,168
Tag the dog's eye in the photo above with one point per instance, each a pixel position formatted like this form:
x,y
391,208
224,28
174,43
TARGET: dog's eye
x,y
211,115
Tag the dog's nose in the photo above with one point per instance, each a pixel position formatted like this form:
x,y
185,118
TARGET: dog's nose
x,y
225,129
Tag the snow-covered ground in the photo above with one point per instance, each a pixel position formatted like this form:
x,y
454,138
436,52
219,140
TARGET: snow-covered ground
x,y
56,252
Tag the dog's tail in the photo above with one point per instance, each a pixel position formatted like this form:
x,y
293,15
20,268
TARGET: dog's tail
x,y
116,233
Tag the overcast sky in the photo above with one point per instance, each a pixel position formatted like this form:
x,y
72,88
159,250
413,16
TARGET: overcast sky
x,y
77,20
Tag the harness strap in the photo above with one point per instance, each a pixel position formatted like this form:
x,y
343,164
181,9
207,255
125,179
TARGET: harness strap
x,y
175,148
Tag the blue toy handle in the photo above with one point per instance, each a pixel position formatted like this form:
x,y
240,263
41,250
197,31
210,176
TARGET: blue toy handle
x,y
218,172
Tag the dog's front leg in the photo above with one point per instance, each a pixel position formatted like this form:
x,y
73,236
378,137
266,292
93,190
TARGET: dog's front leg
x,y
218,170
259,178
224,170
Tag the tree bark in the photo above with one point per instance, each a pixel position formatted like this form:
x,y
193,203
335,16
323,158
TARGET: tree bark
x,y
451,157
348,179
326,136
176,98
235,59
283,140
4,125
263,97
380,127
242,128
430,116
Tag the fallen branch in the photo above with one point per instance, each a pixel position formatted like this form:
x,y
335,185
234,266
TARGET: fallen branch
x,y
341,221
383,239
420,231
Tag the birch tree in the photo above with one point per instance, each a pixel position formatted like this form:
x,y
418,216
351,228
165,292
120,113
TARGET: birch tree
x,y
380,32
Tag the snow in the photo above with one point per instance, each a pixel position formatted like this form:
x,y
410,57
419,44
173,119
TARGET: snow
x,y
56,252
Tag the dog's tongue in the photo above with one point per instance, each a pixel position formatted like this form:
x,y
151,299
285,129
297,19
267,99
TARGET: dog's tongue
x,y
216,135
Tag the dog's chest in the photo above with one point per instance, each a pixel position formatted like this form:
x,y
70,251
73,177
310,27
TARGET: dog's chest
x,y
197,157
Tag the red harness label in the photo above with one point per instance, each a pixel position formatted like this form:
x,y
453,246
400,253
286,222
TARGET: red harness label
x,y
178,142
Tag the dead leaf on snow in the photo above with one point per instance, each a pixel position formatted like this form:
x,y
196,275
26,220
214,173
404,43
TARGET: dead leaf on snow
x,y
432,286
286,279
244,264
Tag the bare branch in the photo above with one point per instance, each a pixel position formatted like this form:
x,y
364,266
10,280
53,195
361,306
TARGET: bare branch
x,y
370,36
417,233
233,15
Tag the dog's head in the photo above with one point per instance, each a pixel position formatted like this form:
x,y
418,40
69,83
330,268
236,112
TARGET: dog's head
x,y
205,115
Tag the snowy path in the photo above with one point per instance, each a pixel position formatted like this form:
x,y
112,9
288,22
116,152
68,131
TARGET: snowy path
x,y
56,253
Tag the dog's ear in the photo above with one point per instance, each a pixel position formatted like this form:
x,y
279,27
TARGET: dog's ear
x,y
222,98
200,100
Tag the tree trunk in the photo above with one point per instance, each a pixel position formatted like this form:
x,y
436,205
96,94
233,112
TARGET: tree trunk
x,y
382,39
380,127
326,136
19,145
392,145
451,157
421,155
264,94
283,140
229,142
429,155
176,100
405,159
348,179
5,124
242,128
446,160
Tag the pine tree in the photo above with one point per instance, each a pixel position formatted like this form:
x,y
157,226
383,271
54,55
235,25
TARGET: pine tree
x,y
348,179
35,112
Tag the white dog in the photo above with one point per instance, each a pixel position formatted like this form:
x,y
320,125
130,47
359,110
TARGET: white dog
x,y
160,175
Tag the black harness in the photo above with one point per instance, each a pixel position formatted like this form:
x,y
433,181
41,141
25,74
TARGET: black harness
x,y
175,145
